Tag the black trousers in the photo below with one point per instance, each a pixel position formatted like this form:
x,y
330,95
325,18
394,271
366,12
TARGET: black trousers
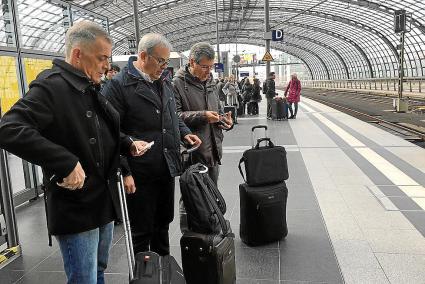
x,y
151,210
269,107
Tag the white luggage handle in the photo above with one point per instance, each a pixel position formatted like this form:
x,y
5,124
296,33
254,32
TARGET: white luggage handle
x,y
126,224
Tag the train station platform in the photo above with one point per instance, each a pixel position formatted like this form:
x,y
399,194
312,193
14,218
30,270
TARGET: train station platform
x,y
355,209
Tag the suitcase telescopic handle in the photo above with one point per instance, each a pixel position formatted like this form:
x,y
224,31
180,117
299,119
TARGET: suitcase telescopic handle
x,y
126,224
252,133
259,126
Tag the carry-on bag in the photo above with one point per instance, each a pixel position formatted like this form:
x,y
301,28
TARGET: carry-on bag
x,y
201,198
265,164
279,109
146,267
263,213
207,258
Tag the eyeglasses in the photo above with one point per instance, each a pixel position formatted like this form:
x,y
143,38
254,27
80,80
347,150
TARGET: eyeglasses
x,y
206,67
161,61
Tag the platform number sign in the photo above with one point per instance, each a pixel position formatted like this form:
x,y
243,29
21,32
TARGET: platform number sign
x,y
277,35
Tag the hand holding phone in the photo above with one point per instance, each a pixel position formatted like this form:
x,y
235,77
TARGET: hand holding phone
x,y
148,146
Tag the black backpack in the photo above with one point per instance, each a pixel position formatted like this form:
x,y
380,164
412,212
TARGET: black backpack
x,y
204,204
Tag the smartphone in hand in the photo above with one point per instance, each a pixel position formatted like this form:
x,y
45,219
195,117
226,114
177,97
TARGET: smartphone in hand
x,y
148,146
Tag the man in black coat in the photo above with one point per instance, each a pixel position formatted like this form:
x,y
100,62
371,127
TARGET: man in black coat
x,y
270,93
144,98
64,125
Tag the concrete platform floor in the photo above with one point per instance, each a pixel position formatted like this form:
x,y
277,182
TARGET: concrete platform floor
x,y
355,209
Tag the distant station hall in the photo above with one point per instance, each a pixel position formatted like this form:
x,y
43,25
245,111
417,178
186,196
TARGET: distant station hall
x,y
212,142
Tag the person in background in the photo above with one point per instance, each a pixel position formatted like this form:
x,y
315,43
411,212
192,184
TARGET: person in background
x,y
221,95
231,89
113,70
293,94
270,93
247,95
109,74
256,97
144,98
64,125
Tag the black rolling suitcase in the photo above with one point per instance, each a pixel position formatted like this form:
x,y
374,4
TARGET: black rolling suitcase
x,y
279,109
234,112
208,258
263,213
207,248
265,164
147,267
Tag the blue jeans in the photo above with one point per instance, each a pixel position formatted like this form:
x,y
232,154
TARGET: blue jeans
x,y
85,255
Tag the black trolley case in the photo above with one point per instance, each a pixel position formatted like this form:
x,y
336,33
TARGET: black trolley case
x,y
279,109
263,213
264,196
208,257
146,267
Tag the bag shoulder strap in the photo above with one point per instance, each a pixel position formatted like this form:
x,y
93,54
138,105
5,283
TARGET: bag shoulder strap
x,y
242,160
225,228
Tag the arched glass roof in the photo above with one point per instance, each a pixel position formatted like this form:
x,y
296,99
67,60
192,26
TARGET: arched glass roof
x,y
337,39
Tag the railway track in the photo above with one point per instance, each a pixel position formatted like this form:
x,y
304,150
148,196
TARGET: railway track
x,y
409,133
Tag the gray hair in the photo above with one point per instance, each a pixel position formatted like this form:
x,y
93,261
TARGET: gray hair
x,y
149,41
200,50
84,32
294,75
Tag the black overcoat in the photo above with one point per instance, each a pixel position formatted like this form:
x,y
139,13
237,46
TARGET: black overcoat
x,y
148,115
54,126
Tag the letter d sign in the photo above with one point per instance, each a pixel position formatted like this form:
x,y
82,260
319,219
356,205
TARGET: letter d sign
x,y
277,35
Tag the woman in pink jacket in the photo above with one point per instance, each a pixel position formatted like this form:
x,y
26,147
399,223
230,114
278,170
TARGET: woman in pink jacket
x,y
294,89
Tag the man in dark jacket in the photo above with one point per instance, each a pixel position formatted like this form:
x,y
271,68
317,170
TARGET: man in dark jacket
x,y
197,103
65,126
144,99
221,95
270,93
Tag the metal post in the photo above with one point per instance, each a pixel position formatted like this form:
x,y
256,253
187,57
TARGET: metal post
x,y
217,35
7,201
237,63
136,22
401,106
267,29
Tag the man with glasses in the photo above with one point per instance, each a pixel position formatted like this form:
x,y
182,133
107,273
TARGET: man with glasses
x,y
144,98
198,104
65,126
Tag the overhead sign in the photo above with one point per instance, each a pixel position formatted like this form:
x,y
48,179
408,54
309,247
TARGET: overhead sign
x,y
243,73
277,35
219,67
267,57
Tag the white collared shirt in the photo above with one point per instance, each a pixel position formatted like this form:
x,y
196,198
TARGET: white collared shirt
x,y
143,74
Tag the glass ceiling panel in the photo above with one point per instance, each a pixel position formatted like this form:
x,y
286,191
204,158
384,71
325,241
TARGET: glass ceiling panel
x,y
42,25
358,30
